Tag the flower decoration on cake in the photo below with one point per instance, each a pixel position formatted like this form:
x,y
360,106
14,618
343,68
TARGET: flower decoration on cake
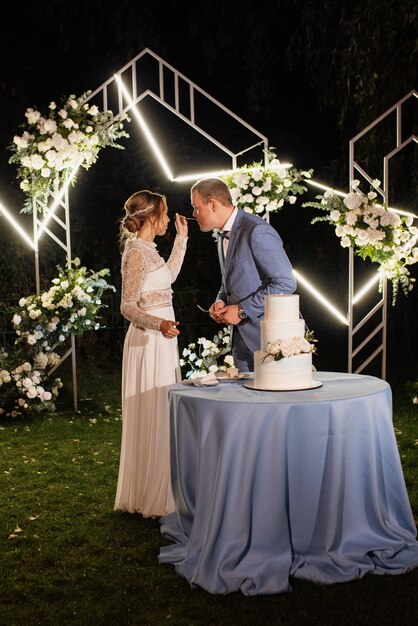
x,y
374,232
53,145
208,355
266,189
283,348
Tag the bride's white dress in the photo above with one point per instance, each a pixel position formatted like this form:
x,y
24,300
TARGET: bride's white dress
x,y
150,364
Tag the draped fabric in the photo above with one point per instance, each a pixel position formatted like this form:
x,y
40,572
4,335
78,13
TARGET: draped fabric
x,y
274,485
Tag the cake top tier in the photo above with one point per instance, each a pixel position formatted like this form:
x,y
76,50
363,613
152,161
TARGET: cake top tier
x,y
281,307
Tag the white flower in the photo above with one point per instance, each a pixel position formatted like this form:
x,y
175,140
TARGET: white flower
x,y
50,126
33,116
31,392
21,142
37,162
274,347
353,200
257,175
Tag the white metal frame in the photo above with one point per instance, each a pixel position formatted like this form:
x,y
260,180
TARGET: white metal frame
x,y
380,309
60,203
60,197
129,74
127,100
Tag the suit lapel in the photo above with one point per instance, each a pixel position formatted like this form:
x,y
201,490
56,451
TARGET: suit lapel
x,y
233,239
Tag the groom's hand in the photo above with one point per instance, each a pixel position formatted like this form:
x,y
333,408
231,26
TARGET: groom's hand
x,y
228,314
216,309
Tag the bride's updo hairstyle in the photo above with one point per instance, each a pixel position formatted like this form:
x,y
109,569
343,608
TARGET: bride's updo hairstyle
x,y
140,207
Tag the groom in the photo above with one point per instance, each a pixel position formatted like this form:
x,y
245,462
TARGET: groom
x,y
253,262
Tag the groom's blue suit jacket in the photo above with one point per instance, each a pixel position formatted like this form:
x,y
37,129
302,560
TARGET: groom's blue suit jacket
x,y
256,265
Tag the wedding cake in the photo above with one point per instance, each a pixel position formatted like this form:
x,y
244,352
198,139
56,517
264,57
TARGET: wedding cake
x,y
284,361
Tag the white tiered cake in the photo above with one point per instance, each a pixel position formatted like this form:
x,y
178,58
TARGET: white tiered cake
x,y
282,333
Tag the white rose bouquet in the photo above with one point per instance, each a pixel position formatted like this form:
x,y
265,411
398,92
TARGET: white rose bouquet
x,y
207,356
262,190
25,385
52,145
283,348
374,232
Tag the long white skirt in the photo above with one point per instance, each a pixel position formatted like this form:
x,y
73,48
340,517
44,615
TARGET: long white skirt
x,y
150,365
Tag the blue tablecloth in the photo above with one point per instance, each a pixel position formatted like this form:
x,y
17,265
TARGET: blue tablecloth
x,y
274,485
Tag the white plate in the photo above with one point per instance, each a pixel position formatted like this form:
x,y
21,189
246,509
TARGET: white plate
x,y
234,379
314,385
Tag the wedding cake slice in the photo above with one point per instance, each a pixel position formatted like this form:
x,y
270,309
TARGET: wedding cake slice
x,y
284,361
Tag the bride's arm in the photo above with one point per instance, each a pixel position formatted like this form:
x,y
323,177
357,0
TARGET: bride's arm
x,y
134,272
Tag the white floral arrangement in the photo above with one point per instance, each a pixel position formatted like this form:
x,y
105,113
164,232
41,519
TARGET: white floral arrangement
x,y
53,145
262,190
374,232
70,307
283,348
42,323
207,356
26,386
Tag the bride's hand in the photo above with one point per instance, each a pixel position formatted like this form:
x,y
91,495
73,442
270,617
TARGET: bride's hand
x,y
169,329
181,225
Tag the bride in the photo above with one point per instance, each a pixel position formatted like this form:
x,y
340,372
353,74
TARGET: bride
x,y
150,355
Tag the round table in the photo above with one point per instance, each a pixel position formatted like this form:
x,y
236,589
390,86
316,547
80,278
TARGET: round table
x,y
274,485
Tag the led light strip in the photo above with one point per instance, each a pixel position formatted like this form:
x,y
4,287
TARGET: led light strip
x,y
146,130
17,226
320,297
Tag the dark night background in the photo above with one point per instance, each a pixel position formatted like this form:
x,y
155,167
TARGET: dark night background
x,y
308,75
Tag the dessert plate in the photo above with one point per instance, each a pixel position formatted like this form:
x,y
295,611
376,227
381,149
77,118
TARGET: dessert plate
x,y
223,378
314,385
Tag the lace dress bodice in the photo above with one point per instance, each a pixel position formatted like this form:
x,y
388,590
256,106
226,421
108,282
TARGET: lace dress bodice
x,y
147,280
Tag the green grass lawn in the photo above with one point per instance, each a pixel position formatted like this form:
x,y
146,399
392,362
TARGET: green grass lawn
x,y
67,558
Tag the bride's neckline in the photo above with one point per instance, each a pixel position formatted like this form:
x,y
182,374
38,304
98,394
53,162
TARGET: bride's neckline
x,y
142,242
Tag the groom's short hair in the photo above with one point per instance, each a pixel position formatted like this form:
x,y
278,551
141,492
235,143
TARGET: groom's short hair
x,y
213,188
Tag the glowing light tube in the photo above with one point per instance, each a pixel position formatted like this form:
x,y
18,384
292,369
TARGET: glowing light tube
x,y
17,227
320,297
140,119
